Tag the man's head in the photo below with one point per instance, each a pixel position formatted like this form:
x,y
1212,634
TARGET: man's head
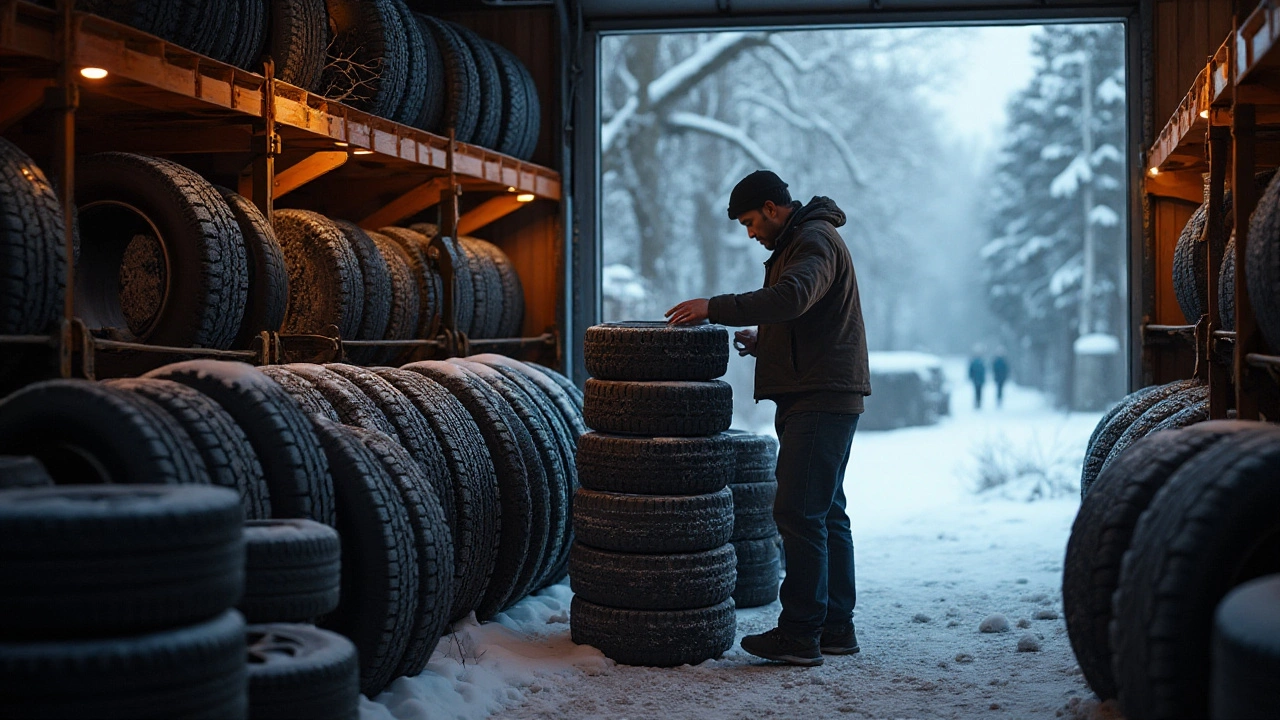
x,y
761,203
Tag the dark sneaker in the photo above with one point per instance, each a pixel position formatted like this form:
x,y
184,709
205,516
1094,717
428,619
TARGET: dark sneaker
x,y
839,640
778,645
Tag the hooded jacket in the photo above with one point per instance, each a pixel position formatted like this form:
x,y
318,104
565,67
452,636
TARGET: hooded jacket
x,y
811,335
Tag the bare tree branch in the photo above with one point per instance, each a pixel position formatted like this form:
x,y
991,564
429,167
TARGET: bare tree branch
x,y
708,58
612,127
814,121
797,61
724,131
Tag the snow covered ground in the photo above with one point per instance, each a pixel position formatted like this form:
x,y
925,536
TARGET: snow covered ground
x,y
935,558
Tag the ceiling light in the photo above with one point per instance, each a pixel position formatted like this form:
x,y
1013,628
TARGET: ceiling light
x,y
1155,171
524,197
1204,113
511,189
340,144
93,73
362,152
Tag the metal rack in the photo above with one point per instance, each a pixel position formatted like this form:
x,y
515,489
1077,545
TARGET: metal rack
x,y
279,137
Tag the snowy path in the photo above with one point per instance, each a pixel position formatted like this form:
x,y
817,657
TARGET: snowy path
x,y
933,558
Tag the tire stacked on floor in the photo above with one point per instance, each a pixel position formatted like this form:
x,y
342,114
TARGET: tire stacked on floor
x,y
115,601
1168,529
652,568
755,534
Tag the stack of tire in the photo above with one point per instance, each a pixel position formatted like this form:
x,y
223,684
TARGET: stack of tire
x,y
377,56
116,601
755,534
1171,526
653,570
1149,410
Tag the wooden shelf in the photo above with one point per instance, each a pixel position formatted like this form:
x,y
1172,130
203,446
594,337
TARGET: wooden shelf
x,y
1180,145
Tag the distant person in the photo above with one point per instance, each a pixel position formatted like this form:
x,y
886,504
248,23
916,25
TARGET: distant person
x,y
999,373
811,352
977,376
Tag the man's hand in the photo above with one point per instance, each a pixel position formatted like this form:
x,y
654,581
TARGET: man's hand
x,y
688,312
744,341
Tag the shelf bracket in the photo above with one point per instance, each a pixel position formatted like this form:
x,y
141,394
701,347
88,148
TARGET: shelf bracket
x,y
420,198
314,166
487,212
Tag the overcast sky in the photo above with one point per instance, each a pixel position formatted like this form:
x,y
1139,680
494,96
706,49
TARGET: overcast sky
x,y
999,63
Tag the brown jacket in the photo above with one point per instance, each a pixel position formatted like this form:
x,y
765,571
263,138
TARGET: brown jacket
x,y
811,334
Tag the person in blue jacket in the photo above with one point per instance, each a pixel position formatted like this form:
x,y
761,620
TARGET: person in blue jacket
x,y
977,376
1000,373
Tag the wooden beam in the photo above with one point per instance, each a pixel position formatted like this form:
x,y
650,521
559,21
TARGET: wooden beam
x,y
486,212
22,96
316,165
407,205
1186,186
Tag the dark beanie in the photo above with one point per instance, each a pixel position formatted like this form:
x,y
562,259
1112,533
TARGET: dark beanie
x,y
754,190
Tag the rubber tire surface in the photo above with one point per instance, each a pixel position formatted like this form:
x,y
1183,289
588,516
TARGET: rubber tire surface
x,y
101,561
252,34
208,276
656,351
370,36
354,408
414,246
298,41
379,595
475,484
433,100
464,299
511,320
652,523
757,457
281,434
533,124
129,438
486,282
1193,415
22,471
291,572
1101,534
197,671
402,313
489,122
268,277
1263,266
376,279
418,68
461,82
655,466
570,410
759,573
1246,652
1190,260
1115,422
223,446
657,638
324,274
655,409
753,510
1227,286
1156,414
301,671
515,106
572,390
652,582
302,391
1212,527
32,252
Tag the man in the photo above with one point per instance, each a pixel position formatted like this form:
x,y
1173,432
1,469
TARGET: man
x,y
811,355
977,376
1000,371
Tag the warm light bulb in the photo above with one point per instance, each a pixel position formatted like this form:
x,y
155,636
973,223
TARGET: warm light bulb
x,y
511,189
1155,171
1204,113
93,73
524,197
362,152
340,144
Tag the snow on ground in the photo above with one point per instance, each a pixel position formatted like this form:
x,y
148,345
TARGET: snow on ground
x,y
934,559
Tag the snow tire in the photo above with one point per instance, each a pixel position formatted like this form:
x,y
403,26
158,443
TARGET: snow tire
x,y
298,41
757,457
753,510
461,82
376,279
655,466
759,572
1117,420
656,351
325,286
657,638
1141,427
302,671
658,409
570,410
353,406
652,523
367,59
489,88
268,277
291,572
652,582
402,312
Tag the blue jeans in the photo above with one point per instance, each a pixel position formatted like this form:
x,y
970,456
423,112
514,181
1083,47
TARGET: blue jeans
x,y
810,511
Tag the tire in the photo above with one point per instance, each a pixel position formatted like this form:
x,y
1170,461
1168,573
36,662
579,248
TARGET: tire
x,y
658,638
302,391
511,319
227,37
506,438
666,408
624,464
86,433
652,582
1115,422
376,280
418,71
1246,652
296,470
565,383
1102,532
81,562
759,573
1263,264
1212,527
354,408
533,116
656,351
1158,413
570,411
252,34
432,547
17,471
753,510
475,484
515,108
297,40
200,298
32,249
486,281
1227,286
324,275
414,247
544,476
197,671
379,568
461,82
652,523
300,671
489,122
268,277
222,444
757,457
291,571
368,57
464,299
1190,259
402,313
433,99
1197,413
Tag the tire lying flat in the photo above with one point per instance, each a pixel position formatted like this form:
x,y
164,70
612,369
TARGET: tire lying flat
x,y
302,671
759,572
660,408
653,523
652,582
658,638
1246,651
656,351
628,464
292,570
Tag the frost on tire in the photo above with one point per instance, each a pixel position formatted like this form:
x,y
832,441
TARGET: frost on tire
x,y
1117,420
665,408
659,638
628,464
656,351
325,286
291,572
652,582
652,523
